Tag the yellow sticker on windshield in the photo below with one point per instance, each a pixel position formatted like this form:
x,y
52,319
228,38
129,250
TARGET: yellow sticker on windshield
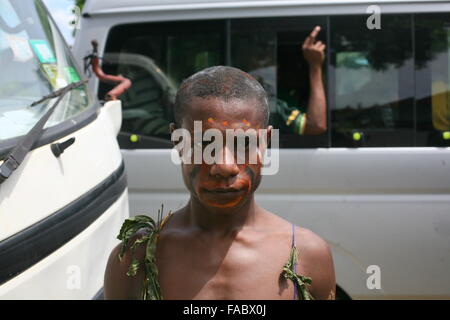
x,y
54,75
51,73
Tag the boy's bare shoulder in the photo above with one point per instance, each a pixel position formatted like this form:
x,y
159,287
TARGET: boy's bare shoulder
x,y
117,284
305,238
315,258
310,242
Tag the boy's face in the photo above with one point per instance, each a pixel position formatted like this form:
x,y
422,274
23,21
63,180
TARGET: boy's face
x,y
226,185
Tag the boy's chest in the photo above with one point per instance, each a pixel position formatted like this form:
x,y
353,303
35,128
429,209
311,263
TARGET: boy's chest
x,y
216,272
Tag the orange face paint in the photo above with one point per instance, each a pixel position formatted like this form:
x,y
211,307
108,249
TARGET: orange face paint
x,y
225,205
225,123
210,120
246,122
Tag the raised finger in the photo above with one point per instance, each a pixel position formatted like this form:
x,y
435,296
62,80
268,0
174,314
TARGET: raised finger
x,y
315,32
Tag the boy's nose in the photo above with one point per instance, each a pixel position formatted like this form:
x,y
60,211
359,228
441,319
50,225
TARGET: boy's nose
x,y
227,167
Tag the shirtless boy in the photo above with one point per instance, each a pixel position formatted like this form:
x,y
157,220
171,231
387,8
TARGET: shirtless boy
x,y
222,245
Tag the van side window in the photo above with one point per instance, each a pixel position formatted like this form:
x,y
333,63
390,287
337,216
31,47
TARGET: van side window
x,y
388,87
157,57
432,79
372,100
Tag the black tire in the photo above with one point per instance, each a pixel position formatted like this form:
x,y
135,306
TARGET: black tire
x,y
341,294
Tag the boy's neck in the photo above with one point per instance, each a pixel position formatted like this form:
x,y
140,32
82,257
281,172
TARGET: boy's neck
x,y
222,221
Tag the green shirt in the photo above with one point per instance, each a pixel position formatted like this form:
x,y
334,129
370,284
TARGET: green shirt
x,y
287,119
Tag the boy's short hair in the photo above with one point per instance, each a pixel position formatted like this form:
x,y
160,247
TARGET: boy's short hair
x,y
222,82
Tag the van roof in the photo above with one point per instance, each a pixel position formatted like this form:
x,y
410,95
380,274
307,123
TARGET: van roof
x,y
135,6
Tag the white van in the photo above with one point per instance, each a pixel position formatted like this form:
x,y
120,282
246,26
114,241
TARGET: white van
x,y
376,185
63,191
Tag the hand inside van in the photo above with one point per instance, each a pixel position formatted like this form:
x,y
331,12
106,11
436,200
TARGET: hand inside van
x,y
311,120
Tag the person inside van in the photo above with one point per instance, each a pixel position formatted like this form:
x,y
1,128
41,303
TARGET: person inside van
x,y
284,114
221,244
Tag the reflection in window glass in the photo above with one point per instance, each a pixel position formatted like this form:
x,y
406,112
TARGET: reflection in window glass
x,y
147,105
255,53
373,82
359,86
189,53
157,57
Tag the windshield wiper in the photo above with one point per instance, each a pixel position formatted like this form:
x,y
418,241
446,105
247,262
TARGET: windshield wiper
x,y
19,152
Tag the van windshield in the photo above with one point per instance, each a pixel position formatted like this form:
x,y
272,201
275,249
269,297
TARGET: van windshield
x,y
35,61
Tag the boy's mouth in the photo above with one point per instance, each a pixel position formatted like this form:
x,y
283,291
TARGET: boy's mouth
x,y
223,190
223,197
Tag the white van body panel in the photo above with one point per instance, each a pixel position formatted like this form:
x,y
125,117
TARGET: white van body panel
x,y
388,207
76,270
399,221
60,214
95,153
44,184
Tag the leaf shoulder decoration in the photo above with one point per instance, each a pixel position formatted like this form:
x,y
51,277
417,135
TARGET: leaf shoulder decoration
x,y
300,282
151,289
